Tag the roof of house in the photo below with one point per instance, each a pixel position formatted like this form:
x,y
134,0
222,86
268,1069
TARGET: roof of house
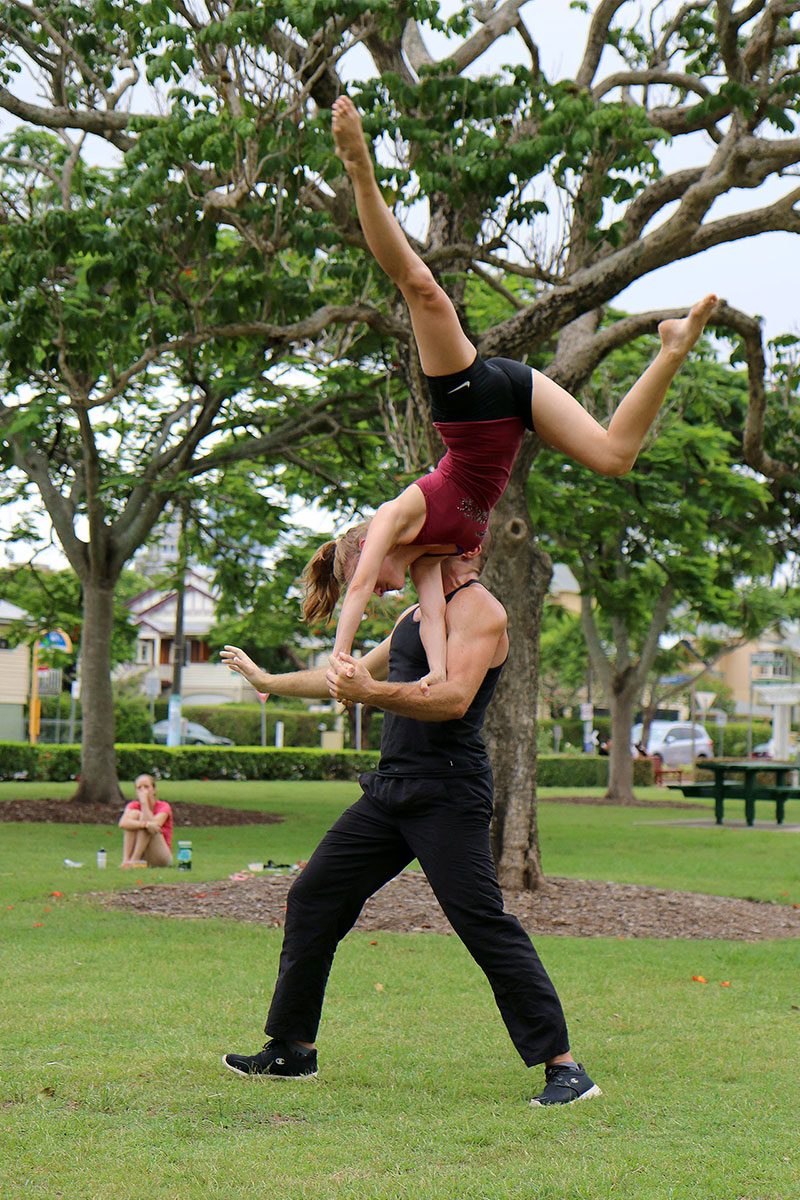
x,y
12,612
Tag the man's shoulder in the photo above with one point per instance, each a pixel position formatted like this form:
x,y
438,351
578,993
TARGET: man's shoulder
x,y
477,602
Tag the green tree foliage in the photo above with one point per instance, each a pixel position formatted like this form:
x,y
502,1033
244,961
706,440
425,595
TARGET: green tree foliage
x,y
688,536
563,659
52,599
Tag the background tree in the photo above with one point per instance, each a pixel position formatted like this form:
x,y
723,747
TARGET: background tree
x,y
52,598
558,182
685,536
563,659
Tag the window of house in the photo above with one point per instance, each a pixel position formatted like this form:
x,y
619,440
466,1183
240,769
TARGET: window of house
x,y
144,652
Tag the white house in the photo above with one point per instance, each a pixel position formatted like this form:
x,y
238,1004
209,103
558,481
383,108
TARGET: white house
x,y
203,680
15,677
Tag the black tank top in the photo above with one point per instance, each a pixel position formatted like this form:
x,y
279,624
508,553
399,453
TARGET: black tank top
x,y
431,748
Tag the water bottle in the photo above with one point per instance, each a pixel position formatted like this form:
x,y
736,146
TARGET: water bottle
x,y
184,858
101,858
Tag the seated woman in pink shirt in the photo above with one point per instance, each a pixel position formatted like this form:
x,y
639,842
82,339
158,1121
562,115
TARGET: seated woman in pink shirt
x,y
147,828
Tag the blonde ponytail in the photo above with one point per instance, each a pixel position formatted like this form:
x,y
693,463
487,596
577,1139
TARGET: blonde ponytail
x,y
327,573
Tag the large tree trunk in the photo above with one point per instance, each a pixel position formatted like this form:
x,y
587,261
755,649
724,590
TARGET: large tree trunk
x,y
98,781
518,573
620,762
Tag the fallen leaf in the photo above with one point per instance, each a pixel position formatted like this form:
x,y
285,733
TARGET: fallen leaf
x,y
378,987
699,979
36,924
727,983
59,894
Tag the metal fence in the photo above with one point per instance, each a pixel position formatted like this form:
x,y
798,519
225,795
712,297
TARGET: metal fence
x,y
53,730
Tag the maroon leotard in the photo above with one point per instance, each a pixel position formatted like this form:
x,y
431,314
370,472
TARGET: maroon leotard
x,y
467,483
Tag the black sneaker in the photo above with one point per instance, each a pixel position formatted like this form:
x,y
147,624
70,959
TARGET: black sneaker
x,y
564,1083
277,1060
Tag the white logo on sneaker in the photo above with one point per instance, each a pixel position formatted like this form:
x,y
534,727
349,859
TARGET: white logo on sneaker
x,y
453,391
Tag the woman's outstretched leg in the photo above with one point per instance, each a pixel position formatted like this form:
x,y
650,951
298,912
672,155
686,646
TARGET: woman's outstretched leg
x,y
443,346
561,421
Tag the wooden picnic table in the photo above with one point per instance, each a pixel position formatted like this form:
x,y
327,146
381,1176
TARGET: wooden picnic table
x,y
735,779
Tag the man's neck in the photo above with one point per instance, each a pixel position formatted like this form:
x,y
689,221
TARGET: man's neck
x,y
456,575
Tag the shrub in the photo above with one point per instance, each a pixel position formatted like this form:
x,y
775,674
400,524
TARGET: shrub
x,y
734,737
132,721
18,760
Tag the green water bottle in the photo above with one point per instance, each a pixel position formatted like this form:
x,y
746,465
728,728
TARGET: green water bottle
x,y
184,856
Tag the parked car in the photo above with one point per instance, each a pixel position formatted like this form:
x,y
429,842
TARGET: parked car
x,y
192,734
763,750
671,741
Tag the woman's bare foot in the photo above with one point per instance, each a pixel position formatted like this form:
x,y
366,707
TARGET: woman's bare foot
x,y
678,336
348,136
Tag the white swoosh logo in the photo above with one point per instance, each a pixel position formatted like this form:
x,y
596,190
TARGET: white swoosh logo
x,y
458,389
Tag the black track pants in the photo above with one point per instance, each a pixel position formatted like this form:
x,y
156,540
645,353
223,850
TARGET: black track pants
x,y
445,824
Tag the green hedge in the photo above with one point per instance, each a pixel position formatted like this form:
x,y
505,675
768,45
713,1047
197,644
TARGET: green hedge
x,y
586,770
734,734
18,760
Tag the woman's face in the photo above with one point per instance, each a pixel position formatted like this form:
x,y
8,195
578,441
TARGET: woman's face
x,y
391,576
145,790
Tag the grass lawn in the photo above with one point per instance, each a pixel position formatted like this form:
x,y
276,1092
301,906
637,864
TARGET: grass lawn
x,y
113,1026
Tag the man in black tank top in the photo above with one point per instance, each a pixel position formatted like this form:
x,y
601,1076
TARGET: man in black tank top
x,y
431,799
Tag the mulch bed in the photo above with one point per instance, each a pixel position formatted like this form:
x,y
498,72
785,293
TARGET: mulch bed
x,y
561,908
74,812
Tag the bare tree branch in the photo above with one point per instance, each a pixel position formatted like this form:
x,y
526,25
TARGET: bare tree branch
x,y
108,125
749,331
502,21
596,41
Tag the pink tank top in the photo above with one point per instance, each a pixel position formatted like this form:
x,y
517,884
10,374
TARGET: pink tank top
x,y
467,483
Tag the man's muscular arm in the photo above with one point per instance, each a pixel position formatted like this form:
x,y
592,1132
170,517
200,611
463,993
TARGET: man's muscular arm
x,y
311,685
476,625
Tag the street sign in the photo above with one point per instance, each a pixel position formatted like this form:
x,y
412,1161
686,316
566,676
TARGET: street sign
x,y
587,712
56,639
152,684
48,681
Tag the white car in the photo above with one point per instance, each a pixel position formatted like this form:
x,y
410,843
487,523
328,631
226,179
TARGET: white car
x,y
674,743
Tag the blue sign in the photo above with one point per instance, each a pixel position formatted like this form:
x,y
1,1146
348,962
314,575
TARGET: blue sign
x,y
56,639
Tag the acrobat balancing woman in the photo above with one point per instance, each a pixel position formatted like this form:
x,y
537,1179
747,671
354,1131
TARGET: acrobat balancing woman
x,y
481,409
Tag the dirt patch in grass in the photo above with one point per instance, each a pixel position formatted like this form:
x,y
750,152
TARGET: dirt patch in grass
x,y
563,908
74,812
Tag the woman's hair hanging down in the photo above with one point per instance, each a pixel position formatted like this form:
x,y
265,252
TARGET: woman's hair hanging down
x,y
326,573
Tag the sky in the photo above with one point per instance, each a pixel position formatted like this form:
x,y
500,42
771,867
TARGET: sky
x,y
758,275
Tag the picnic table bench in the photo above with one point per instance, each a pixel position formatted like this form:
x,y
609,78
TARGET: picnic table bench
x,y
735,779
